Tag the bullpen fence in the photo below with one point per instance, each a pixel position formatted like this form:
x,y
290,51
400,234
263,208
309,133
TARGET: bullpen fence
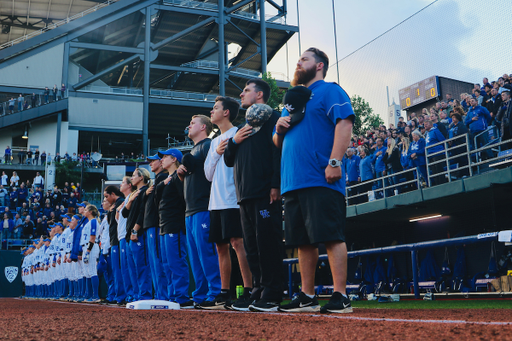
x,y
412,248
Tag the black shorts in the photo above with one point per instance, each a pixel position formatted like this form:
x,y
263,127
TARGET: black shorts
x,y
224,225
314,215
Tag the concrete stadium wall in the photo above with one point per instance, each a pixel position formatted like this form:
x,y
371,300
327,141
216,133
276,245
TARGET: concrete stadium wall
x,y
104,114
43,133
37,71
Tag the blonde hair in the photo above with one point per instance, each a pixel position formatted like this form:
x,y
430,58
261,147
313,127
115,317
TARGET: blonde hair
x,y
405,144
206,121
94,211
129,182
392,145
144,173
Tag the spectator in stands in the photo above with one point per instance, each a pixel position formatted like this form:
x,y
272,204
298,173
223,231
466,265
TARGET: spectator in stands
x,y
14,179
43,158
7,155
72,202
417,154
13,197
365,172
62,91
57,158
433,137
47,210
40,228
391,159
351,164
38,181
479,97
504,116
33,100
476,120
20,102
459,129
4,180
36,156
380,167
21,156
434,118
7,228
56,196
18,225
22,195
29,156
3,195
11,105
46,95
55,91
28,228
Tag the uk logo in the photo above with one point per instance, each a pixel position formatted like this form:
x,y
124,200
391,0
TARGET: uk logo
x,y
11,272
205,226
265,214
139,244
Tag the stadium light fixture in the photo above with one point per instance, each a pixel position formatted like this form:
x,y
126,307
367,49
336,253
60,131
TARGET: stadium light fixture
x,y
25,134
433,216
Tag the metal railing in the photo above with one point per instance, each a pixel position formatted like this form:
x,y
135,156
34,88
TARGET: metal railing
x,y
27,103
214,7
457,161
186,95
57,24
113,90
214,65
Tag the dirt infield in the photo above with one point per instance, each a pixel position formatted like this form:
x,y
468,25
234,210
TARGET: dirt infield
x,y
44,320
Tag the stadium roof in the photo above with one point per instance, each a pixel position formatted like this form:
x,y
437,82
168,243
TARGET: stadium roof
x,y
21,17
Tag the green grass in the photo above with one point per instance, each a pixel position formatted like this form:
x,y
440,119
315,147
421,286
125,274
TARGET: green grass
x,y
504,303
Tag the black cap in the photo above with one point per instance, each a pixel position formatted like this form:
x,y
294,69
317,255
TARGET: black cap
x,y
295,101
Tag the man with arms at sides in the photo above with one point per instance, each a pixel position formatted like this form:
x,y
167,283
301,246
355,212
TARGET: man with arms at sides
x,y
202,254
225,225
256,168
313,181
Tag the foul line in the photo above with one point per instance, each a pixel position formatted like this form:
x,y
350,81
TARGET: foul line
x,y
340,317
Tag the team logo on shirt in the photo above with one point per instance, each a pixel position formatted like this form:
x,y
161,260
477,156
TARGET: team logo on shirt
x,y
11,272
265,214
205,226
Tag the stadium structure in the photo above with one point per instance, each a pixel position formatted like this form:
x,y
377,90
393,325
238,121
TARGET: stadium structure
x,y
134,72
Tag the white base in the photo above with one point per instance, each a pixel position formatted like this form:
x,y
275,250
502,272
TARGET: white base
x,y
153,305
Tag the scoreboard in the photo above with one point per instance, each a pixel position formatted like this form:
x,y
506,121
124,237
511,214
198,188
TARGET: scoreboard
x,y
419,92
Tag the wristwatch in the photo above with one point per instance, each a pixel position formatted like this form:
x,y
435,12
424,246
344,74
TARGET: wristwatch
x,y
334,163
134,232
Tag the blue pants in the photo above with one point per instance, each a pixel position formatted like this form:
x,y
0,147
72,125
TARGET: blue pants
x,y
203,257
106,270
117,274
142,271
154,248
127,268
175,259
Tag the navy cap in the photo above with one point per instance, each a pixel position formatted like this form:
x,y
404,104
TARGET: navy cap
x,y
174,152
154,157
81,204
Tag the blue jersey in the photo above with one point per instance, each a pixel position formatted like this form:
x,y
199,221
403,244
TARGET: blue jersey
x,y
352,167
366,168
76,249
418,148
434,136
308,145
380,166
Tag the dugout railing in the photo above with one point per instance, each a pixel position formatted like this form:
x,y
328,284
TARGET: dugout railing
x,y
412,248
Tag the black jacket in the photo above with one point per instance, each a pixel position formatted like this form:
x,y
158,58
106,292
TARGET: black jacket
x,y
197,188
393,161
132,214
112,222
171,205
256,162
148,216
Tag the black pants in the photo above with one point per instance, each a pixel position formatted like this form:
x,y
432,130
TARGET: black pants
x,y
263,241
436,169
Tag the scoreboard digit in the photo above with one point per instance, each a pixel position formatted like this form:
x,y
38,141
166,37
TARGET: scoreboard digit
x,y
419,92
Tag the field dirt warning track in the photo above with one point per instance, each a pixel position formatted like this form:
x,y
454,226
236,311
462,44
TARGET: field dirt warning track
x,y
45,320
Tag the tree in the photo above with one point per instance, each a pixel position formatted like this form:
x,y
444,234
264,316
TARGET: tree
x,y
276,95
365,118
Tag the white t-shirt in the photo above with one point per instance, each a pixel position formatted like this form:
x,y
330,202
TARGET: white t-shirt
x,y
222,193
121,222
38,180
15,179
104,235
4,179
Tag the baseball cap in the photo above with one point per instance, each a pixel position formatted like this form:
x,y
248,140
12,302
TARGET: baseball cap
x,y
47,240
67,216
174,152
189,161
256,116
295,101
77,217
154,157
32,246
81,204
58,224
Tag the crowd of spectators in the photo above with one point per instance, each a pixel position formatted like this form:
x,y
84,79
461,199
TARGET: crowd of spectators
x,y
388,150
28,101
27,209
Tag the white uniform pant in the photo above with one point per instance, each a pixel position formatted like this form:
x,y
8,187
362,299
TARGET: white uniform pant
x,y
91,268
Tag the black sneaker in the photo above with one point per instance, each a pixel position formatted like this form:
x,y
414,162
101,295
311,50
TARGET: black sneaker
x,y
122,303
217,304
264,306
337,304
242,303
301,303
188,305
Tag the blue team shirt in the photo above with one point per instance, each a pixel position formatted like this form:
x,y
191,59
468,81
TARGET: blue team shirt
x,y
307,146
434,136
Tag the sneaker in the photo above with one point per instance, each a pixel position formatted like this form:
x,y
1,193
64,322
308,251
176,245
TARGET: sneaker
x,y
218,303
242,303
188,305
337,304
122,303
301,303
264,306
